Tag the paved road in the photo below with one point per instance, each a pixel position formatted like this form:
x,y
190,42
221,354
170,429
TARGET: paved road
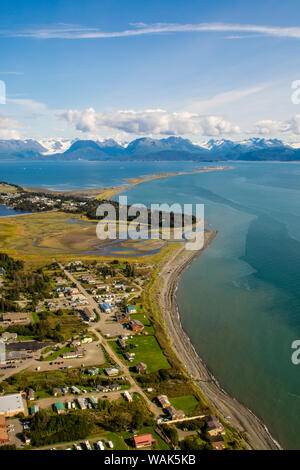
x,y
94,306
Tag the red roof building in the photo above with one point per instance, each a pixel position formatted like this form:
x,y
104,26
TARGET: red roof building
x,y
144,440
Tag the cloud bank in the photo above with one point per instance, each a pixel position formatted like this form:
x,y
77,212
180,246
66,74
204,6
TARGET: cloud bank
x,y
150,121
65,31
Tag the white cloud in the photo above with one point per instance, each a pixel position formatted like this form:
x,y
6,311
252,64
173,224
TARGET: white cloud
x,y
269,126
64,31
29,104
8,128
149,121
223,99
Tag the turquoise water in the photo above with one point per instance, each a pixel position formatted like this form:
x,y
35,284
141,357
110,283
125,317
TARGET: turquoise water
x,y
240,300
82,174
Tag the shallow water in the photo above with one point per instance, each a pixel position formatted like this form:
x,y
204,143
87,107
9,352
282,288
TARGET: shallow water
x,y
240,300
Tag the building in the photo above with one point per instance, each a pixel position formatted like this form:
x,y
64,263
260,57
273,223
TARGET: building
x,y
214,427
73,354
87,340
11,405
106,307
163,401
30,394
141,368
111,371
122,343
6,337
15,318
128,396
135,325
82,403
86,314
93,401
218,445
3,431
2,271
122,317
59,407
174,414
56,391
34,409
131,309
144,440
129,356
93,371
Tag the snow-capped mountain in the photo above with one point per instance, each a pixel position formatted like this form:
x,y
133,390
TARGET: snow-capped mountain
x,y
166,149
55,145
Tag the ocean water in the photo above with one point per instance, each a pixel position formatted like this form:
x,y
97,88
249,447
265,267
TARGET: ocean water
x,y
66,176
240,300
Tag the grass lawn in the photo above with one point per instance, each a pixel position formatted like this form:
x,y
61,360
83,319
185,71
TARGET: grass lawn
x,y
35,317
56,354
148,351
187,404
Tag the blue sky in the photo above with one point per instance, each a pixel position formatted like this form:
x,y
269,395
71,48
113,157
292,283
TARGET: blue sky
x,y
127,68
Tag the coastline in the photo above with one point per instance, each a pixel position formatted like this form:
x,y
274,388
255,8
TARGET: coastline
x,y
242,418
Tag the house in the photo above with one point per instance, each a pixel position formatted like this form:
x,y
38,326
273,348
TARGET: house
x,y
214,427
34,409
6,337
56,391
3,431
122,343
30,394
111,371
141,368
59,407
173,413
11,405
131,309
163,401
122,317
75,390
129,356
15,318
2,271
75,343
144,440
82,403
114,387
218,444
87,340
87,314
128,396
135,325
73,354
93,401
106,307
93,371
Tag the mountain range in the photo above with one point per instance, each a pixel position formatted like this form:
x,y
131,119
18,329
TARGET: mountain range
x,y
168,149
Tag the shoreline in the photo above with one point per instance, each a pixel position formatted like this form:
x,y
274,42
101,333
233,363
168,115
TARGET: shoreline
x,y
242,418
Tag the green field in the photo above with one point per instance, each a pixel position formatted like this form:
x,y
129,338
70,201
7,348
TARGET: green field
x,y
188,404
147,351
